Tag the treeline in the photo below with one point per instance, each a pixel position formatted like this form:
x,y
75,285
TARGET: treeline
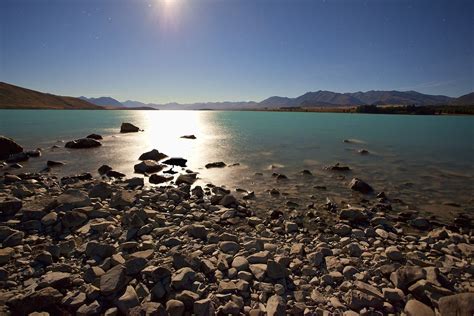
x,y
417,110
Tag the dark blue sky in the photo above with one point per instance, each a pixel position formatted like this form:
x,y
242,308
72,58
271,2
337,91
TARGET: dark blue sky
x,y
215,50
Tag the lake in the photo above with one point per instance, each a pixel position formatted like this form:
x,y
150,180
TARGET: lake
x,y
425,161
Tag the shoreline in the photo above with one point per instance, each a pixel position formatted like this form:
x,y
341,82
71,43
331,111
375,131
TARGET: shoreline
x,y
338,110
83,244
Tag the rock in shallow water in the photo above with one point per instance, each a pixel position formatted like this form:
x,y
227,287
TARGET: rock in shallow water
x,y
83,143
360,186
8,147
129,128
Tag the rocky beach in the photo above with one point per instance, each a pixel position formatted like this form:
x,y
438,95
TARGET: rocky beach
x,y
113,244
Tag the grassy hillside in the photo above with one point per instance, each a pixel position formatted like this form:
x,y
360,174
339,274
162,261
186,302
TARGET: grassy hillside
x,y
14,97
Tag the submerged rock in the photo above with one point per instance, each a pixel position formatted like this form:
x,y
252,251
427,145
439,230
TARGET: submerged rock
x,y
218,164
83,143
157,179
8,147
148,166
338,167
94,136
360,186
129,128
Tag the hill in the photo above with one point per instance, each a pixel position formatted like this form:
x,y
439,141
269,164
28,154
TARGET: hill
x,y
103,101
467,99
329,98
14,97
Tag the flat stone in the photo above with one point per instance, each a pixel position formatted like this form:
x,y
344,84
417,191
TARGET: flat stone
x,y
457,305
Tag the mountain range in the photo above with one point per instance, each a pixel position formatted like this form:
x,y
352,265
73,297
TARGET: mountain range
x,y
12,96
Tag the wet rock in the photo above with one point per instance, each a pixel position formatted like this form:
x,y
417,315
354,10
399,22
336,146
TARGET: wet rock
x,y
73,198
52,163
218,164
147,166
153,154
104,169
359,185
122,199
135,182
20,157
157,179
181,162
128,128
420,223
101,190
188,137
94,136
186,178
353,214
416,308
83,143
228,200
338,167
114,174
8,147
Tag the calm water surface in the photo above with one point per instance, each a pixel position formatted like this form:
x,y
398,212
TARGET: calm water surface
x,y
422,160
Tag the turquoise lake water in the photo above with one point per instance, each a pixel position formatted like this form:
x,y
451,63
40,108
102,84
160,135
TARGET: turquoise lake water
x,y
420,159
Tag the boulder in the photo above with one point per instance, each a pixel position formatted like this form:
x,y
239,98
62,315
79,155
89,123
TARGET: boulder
x,y
129,128
113,280
9,205
353,214
148,166
128,300
276,306
457,305
183,279
73,219
152,155
188,178
181,162
8,147
360,186
416,308
83,143
104,169
406,276
175,307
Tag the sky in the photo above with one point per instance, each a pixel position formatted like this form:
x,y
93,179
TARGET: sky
x,y
236,50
